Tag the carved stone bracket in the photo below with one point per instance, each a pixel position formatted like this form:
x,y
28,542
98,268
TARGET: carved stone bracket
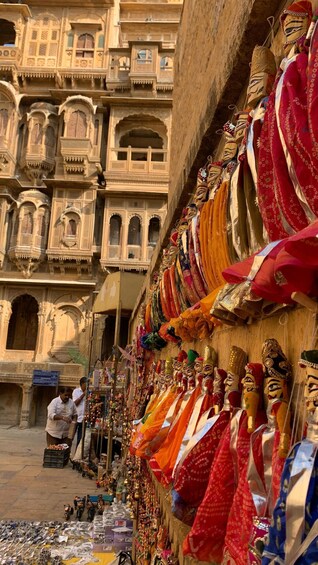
x,y
27,266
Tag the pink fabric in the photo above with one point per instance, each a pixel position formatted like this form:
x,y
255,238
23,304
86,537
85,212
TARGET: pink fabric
x,y
197,279
243,509
192,476
312,96
293,117
282,189
265,190
206,539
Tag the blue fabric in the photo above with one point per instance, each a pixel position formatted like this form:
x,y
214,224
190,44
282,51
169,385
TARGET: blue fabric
x,y
274,551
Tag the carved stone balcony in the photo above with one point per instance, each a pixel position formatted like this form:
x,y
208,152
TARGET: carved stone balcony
x,y
37,163
127,257
75,153
21,372
10,57
140,161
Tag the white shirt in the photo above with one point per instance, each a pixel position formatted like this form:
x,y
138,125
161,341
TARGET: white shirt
x,y
58,428
80,408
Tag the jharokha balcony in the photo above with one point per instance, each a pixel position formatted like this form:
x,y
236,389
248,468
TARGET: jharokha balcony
x,y
140,161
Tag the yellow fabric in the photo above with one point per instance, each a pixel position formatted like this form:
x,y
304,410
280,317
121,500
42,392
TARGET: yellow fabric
x,y
103,559
213,238
204,235
207,302
219,252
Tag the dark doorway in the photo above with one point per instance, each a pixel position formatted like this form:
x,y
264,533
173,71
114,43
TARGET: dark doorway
x,y
7,33
23,325
109,334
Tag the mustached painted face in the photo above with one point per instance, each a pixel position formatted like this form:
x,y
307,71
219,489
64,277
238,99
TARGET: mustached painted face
x,y
214,174
231,383
249,383
294,27
198,366
257,88
274,388
200,195
208,370
230,150
311,389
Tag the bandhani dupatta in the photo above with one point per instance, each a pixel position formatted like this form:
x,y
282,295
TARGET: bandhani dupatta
x,y
192,473
257,488
312,95
269,207
292,121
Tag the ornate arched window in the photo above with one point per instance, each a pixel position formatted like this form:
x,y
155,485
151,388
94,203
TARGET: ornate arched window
x,y
153,231
71,228
23,325
134,231
144,56
27,223
124,63
77,125
85,46
4,118
36,134
166,63
114,230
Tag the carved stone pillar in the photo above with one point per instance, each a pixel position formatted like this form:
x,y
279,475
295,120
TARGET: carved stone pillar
x,y
144,235
41,326
27,398
5,314
124,239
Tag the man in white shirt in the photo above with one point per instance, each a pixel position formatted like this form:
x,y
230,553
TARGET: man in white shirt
x,y
60,413
79,395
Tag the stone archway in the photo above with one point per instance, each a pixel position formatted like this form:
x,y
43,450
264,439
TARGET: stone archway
x,y
23,324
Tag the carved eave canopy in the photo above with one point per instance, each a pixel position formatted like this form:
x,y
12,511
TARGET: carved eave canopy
x,y
22,9
89,4
78,99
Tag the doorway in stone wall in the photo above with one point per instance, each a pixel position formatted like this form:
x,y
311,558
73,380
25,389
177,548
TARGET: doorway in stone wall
x,y
42,396
23,325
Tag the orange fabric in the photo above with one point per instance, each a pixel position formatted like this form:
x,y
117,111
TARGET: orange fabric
x,y
167,455
163,300
207,302
148,317
153,424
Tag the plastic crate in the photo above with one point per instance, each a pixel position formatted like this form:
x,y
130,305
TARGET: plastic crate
x,y
106,497
56,458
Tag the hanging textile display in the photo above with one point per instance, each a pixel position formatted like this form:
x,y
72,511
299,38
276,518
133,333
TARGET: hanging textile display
x,y
293,533
282,199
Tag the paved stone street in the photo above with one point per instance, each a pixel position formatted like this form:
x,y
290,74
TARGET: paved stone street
x,y
29,491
